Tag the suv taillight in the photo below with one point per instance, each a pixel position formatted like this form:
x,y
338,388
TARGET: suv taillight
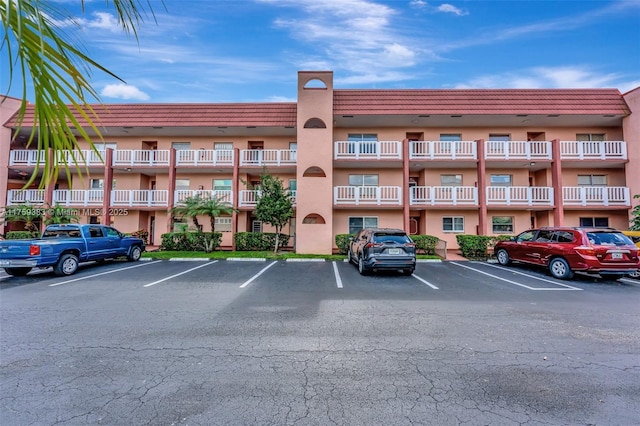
x,y
585,250
34,250
410,244
369,245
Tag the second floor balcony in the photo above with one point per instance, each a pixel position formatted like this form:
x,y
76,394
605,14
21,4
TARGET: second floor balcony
x,y
268,157
519,196
249,198
593,150
443,196
596,196
443,150
367,195
517,150
367,150
225,196
204,157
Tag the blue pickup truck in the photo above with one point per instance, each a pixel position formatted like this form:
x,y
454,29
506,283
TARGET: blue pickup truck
x,y
65,246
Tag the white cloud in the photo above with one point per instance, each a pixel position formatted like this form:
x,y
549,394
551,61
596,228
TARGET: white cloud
x,y
124,91
449,8
419,4
550,77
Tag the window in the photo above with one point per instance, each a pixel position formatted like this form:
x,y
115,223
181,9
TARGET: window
x,y
95,232
256,226
500,180
112,232
594,222
587,137
500,137
219,146
502,224
449,137
103,146
358,223
362,143
563,236
222,184
451,180
453,224
180,145
544,236
180,224
293,185
99,184
592,180
363,180
223,224
182,184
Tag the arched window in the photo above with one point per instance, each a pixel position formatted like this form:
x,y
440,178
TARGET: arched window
x,y
314,218
315,123
315,83
314,171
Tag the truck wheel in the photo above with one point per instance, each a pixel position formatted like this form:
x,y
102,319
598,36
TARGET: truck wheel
x,y
17,272
134,254
67,265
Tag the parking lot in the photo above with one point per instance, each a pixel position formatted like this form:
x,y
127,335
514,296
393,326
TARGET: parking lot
x,y
302,342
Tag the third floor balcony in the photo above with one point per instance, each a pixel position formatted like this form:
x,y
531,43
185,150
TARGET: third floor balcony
x,y
367,195
443,196
367,150
519,196
593,150
589,196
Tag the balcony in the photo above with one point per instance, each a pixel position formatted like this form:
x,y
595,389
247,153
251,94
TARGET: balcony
x,y
519,196
443,150
204,157
25,196
139,198
140,157
268,157
517,150
373,150
78,197
367,195
249,198
224,196
593,150
596,196
443,196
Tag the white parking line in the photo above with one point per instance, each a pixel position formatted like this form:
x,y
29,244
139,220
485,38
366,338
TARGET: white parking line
x,y
532,276
103,273
513,282
258,274
425,281
337,274
180,273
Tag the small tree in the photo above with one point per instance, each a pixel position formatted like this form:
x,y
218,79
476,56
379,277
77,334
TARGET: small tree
x,y
213,208
635,216
189,208
274,205
26,213
58,214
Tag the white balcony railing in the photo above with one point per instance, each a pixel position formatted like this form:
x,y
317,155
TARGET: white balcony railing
x,y
596,150
204,157
140,197
85,157
268,157
249,198
26,157
140,157
378,150
367,195
443,150
224,196
596,196
78,197
25,196
520,195
517,150
443,196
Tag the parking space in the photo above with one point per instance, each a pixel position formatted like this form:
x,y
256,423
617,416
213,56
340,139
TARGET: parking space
x,y
451,278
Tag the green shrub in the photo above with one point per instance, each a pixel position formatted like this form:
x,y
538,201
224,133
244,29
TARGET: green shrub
x,y
143,234
342,242
191,241
21,235
425,243
259,241
473,246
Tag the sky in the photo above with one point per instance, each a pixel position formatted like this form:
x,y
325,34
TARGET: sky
x,y
251,50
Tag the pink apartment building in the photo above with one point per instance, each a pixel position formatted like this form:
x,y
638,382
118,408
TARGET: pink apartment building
x,y
437,162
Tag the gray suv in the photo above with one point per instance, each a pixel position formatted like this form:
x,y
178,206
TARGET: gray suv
x,y
373,249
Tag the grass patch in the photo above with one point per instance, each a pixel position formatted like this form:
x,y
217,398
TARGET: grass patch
x,y
250,254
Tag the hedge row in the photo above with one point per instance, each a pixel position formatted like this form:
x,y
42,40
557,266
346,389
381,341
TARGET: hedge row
x,y
21,235
477,246
191,241
259,241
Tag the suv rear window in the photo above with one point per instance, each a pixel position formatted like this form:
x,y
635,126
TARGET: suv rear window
x,y
609,239
61,233
382,237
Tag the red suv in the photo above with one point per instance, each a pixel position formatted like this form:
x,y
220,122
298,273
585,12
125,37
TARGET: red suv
x,y
563,250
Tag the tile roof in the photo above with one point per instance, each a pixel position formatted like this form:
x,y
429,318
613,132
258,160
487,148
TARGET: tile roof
x,y
190,115
480,101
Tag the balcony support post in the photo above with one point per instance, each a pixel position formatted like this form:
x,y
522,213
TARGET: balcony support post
x,y
235,180
172,187
482,188
108,186
406,204
556,182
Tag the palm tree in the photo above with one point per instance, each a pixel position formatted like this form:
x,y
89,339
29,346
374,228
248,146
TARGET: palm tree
x,y
58,214
26,213
58,70
214,207
190,207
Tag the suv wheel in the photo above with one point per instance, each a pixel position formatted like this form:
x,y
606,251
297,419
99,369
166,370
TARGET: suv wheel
x,y
503,257
559,268
361,268
350,256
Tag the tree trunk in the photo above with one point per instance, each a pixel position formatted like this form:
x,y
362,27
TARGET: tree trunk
x,y
275,251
